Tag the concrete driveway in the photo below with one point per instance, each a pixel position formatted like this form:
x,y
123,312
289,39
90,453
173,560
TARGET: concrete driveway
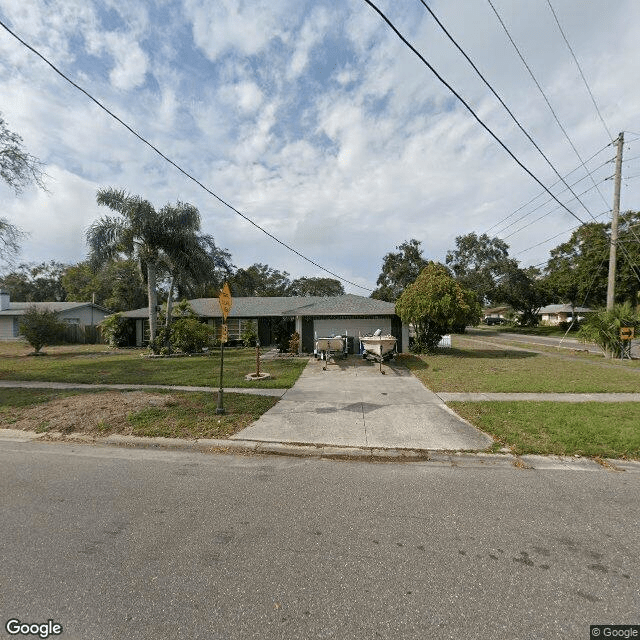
x,y
353,404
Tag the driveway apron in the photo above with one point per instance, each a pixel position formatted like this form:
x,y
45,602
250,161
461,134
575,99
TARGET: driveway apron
x,y
353,404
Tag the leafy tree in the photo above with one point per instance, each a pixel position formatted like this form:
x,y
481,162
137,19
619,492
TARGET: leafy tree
x,y
524,291
153,238
578,269
117,285
576,272
399,270
259,280
197,263
478,262
603,327
315,287
41,327
436,303
36,282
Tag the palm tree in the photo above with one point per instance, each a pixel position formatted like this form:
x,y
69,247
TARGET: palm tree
x,y
153,238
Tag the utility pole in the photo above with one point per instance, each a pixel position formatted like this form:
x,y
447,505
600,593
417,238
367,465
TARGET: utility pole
x,y
614,224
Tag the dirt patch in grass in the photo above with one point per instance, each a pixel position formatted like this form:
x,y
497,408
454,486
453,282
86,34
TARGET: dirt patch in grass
x,y
88,412
175,415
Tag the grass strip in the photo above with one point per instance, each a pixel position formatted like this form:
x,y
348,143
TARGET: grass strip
x,y
550,428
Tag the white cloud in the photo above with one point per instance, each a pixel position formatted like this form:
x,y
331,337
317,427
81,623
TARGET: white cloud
x,y
312,33
246,27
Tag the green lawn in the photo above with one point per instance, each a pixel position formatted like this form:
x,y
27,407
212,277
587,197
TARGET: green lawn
x,y
93,365
587,429
483,368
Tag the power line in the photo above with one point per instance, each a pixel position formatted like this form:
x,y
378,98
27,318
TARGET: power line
x,y
546,202
586,84
553,185
536,220
466,105
174,164
544,95
539,244
500,100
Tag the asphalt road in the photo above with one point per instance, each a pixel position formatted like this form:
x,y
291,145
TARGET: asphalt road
x,y
567,343
125,543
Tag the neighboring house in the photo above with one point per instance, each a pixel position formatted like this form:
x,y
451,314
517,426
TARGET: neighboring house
x,y
310,316
82,314
496,315
554,314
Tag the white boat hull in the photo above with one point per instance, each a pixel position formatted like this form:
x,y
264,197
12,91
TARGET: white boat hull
x,y
379,346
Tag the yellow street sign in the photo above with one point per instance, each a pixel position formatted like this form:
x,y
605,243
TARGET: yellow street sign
x,y
225,301
626,333
224,333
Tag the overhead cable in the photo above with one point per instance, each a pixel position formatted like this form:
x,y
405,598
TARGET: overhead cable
x,y
501,101
553,185
544,95
174,164
467,106
575,59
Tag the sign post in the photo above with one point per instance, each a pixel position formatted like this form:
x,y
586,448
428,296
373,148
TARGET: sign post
x,y
627,334
225,306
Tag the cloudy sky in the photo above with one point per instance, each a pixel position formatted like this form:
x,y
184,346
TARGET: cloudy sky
x,y
318,123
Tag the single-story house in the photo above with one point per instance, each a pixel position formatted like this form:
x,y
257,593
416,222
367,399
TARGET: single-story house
x,y
310,316
554,314
81,314
496,315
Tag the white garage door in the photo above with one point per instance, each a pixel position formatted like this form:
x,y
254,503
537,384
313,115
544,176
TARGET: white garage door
x,y
352,326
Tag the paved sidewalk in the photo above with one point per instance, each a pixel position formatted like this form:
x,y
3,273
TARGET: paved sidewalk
x,y
137,387
353,404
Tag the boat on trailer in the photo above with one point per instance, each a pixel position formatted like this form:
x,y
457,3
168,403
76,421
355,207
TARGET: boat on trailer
x,y
378,347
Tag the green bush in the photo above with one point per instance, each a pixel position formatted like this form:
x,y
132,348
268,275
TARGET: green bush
x,y
41,328
189,335
249,334
116,330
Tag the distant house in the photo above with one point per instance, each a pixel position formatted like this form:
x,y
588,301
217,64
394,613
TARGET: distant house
x,y
310,316
81,314
496,315
554,314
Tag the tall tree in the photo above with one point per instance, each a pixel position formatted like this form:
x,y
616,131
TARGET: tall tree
x,y
436,304
18,169
117,285
36,282
139,231
259,280
478,261
576,272
315,287
578,269
524,291
399,270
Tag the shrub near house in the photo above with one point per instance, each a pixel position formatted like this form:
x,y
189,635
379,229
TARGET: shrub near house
x,y
41,327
